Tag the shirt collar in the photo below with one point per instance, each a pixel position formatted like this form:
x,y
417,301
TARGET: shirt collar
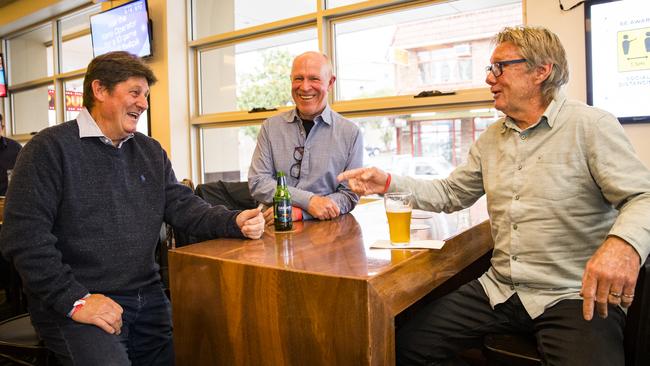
x,y
325,116
549,116
89,128
553,108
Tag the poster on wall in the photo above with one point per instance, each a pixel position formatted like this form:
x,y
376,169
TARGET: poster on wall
x,y
618,57
3,79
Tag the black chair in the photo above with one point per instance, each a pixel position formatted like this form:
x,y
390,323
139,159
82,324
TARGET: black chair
x,y
233,195
521,349
20,345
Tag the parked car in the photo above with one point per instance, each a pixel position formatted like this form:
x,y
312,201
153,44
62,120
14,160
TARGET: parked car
x,y
372,150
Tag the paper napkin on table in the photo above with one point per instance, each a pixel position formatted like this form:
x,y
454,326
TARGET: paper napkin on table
x,y
414,244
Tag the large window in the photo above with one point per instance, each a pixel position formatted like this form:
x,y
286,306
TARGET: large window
x,y
251,74
44,66
384,53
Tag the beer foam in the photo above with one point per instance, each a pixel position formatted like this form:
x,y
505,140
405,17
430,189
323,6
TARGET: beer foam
x,y
398,209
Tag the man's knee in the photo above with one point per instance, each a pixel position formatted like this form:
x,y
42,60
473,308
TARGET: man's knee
x,y
565,338
82,344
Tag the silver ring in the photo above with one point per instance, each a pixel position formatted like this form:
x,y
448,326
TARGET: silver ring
x,y
628,296
615,294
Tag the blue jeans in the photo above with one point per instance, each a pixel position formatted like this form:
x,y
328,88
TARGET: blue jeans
x,y
146,337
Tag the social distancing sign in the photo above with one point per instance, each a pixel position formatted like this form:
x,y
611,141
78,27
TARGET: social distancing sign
x,y
634,49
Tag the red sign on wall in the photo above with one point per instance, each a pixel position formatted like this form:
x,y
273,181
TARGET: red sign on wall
x,y
73,100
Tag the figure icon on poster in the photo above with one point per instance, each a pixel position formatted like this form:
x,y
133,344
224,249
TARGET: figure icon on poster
x,y
633,49
626,44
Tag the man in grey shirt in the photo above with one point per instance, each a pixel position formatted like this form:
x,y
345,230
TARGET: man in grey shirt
x,y
311,144
568,201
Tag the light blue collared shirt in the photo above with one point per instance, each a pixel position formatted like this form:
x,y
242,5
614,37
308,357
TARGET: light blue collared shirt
x,y
334,145
89,128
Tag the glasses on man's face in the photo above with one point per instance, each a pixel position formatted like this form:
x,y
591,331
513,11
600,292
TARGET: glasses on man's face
x,y
497,67
294,171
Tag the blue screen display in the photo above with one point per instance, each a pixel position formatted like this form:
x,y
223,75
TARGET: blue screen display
x,y
124,28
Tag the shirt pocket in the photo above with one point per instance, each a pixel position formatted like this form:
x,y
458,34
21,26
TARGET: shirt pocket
x,y
557,176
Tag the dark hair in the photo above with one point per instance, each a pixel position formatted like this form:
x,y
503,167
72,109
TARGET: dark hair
x,y
113,68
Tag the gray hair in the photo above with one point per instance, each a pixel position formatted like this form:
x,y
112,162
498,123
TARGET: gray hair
x,y
539,46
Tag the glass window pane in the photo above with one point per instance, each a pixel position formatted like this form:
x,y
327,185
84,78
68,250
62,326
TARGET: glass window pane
x,y
30,55
33,109
227,152
215,17
143,123
76,48
251,74
425,48
423,145
73,98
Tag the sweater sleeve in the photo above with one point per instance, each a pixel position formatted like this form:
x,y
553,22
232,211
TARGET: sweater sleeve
x,y
27,238
186,211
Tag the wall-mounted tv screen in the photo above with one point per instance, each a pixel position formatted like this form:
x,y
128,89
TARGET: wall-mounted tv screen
x,y
3,79
123,28
618,57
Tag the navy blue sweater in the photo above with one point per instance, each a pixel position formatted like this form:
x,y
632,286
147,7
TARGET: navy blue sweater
x,y
82,216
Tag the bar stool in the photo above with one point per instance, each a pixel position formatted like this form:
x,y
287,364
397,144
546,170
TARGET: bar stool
x,y
511,350
20,344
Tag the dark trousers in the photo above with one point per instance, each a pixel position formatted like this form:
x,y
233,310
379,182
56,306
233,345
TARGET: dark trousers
x,y
146,337
461,319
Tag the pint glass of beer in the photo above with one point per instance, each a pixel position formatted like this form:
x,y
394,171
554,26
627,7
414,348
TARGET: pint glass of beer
x,y
398,210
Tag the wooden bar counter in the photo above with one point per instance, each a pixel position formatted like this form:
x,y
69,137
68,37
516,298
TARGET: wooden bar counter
x,y
315,296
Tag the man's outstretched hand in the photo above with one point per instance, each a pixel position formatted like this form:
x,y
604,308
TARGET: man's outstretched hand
x,y
365,181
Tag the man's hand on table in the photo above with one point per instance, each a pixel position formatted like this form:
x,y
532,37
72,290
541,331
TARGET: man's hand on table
x,y
251,223
323,208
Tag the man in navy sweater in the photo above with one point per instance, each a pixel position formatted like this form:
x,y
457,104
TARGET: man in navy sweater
x,y
83,215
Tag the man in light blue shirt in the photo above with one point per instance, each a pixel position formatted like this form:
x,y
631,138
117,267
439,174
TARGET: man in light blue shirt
x,y
311,144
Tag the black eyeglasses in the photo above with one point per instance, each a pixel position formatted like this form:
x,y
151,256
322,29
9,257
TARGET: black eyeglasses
x,y
497,67
294,171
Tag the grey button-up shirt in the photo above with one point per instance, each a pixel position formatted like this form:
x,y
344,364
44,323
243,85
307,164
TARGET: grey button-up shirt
x,y
555,191
334,145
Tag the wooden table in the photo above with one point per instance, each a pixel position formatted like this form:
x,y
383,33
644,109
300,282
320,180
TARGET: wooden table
x,y
315,296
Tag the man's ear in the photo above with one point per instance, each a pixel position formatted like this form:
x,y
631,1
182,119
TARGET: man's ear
x,y
331,82
542,72
99,91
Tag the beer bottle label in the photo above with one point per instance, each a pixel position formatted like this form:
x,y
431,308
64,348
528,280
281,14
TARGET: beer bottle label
x,y
283,211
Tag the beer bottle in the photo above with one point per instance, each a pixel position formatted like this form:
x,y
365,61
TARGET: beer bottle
x,y
282,205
